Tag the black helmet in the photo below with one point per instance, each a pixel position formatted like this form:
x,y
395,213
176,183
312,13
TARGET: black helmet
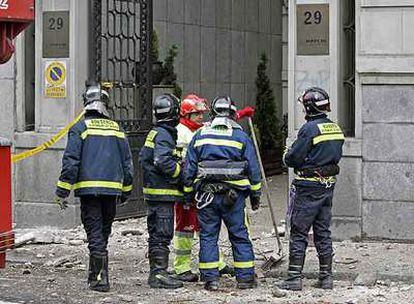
x,y
167,108
223,106
316,101
94,92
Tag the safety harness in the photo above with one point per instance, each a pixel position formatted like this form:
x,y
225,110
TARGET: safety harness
x,y
219,177
323,174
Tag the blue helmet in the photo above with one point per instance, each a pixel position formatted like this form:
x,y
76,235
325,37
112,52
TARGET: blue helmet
x,y
166,108
223,106
94,92
315,101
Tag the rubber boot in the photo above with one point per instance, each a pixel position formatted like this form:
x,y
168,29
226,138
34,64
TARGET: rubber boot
x,y
294,280
246,283
227,270
98,277
212,285
187,276
159,277
325,272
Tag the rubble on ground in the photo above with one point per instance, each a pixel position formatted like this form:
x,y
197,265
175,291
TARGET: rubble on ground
x,y
55,262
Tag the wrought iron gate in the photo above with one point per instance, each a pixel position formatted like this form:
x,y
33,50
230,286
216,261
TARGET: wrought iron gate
x,y
119,37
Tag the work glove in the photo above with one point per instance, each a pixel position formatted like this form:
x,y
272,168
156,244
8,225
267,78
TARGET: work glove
x,y
187,204
63,203
188,200
255,202
245,112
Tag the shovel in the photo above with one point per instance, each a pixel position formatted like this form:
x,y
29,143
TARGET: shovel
x,y
273,260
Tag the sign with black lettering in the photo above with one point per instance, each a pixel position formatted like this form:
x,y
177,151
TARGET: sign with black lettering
x,y
55,79
4,4
312,29
56,34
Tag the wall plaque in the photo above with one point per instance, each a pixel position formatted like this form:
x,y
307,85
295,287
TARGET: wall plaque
x,y
56,34
312,29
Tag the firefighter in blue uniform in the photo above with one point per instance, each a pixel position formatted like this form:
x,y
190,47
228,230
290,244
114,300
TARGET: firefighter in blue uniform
x,y
97,164
314,156
162,179
221,171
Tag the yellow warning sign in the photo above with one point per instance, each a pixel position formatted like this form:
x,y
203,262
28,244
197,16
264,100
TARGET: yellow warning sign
x,y
55,79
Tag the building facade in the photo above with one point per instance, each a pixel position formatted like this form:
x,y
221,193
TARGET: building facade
x,y
360,51
219,43
363,55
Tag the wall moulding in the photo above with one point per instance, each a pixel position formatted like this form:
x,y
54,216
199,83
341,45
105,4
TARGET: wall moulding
x,y
386,3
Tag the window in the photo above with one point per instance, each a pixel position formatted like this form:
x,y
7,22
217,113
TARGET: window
x,y
346,106
29,78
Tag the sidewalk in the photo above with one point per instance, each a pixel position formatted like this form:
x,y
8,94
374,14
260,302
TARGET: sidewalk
x,y
52,269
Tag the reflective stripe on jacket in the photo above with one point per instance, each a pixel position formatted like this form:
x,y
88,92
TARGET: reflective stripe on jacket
x,y
220,143
184,136
97,159
160,162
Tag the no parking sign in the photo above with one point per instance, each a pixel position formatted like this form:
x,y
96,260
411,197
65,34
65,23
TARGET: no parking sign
x,y
55,79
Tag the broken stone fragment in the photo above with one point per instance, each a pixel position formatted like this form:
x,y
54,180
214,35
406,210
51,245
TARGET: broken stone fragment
x,y
366,279
76,242
346,260
61,260
131,232
278,293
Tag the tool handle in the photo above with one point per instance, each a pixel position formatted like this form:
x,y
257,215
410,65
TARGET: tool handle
x,y
266,187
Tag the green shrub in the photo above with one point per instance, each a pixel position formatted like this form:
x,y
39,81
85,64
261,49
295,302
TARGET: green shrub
x,y
169,75
265,118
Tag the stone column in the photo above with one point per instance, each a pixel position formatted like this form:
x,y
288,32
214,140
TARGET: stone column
x,y
322,68
36,177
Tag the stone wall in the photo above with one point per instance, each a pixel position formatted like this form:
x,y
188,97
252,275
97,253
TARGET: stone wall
x,y
374,196
219,44
385,60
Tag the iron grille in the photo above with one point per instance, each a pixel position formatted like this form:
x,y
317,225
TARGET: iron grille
x,y
349,79
119,55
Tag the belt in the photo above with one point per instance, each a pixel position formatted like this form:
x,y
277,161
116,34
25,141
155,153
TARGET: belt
x,y
327,181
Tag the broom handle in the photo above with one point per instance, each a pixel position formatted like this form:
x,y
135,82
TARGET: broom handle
x,y
266,187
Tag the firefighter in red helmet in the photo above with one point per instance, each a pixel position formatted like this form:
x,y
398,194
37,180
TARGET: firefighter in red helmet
x,y
192,112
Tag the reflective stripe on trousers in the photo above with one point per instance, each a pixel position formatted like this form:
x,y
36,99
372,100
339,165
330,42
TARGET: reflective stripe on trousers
x,y
210,222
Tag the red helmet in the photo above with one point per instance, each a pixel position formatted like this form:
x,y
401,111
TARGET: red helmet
x,y
193,104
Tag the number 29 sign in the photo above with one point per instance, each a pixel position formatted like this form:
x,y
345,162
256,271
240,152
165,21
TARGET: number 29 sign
x,y
312,29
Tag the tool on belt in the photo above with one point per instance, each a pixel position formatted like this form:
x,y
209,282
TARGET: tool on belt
x,y
323,174
208,191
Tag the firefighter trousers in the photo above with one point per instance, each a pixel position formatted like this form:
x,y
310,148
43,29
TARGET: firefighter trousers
x,y
311,207
97,215
186,229
236,222
160,224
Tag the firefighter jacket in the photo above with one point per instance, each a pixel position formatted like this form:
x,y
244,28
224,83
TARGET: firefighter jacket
x,y
184,136
97,159
160,163
319,144
222,143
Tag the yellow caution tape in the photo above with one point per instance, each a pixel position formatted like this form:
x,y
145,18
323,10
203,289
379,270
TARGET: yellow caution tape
x,y
107,85
47,144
